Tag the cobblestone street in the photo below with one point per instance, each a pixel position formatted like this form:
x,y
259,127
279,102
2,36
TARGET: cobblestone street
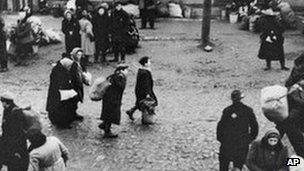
x,y
192,86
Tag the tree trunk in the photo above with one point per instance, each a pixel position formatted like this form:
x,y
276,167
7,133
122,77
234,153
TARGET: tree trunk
x,y
206,23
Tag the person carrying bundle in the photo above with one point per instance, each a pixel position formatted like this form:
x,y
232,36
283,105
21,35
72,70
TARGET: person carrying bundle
x,y
287,112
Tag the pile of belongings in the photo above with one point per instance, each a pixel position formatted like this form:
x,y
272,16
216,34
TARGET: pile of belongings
x,y
41,37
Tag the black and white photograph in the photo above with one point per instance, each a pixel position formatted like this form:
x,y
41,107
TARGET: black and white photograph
x,y
152,85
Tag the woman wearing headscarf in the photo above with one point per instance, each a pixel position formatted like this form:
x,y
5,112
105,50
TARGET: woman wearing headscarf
x,y
70,28
268,154
87,36
111,103
62,94
101,23
79,77
46,153
3,52
272,39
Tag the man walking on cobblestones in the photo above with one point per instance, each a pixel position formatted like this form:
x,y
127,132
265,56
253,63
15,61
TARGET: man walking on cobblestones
x,y
235,131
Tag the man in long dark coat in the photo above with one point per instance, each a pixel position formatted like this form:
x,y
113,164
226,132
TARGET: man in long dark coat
x,y
3,52
144,85
13,145
147,13
119,32
235,131
61,112
111,104
70,28
101,31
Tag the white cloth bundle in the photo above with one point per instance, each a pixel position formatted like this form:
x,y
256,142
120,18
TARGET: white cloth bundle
x,y
274,102
67,94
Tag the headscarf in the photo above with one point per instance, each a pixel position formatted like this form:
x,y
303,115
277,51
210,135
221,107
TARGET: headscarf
x,y
272,133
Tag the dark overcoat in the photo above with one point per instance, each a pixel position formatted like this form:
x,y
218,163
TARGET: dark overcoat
x,y
120,26
144,86
263,157
24,37
71,40
101,29
3,52
236,130
60,112
111,103
273,29
13,140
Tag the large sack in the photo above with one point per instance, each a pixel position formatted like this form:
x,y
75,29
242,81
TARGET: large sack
x,y
71,4
131,9
32,119
175,10
163,10
99,88
274,103
288,15
52,36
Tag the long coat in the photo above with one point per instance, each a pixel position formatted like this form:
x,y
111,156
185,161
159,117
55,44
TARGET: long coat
x,y
271,29
119,26
111,103
70,30
101,29
24,37
261,157
49,157
3,52
13,140
86,32
233,130
144,86
60,112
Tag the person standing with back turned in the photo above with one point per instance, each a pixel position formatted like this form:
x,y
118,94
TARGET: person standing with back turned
x,y
235,131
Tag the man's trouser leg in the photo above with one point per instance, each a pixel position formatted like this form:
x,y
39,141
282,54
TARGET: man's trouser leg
x,y
224,163
143,16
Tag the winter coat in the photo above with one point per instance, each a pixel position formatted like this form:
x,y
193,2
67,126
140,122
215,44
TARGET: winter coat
x,y
49,157
70,30
233,130
13,140
101,29
25,38
262,157
3,52
61,112
144,86
272,30
87,36
119,26
111,103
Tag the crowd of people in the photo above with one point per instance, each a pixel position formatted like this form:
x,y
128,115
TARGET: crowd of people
x,y
100,32
89,35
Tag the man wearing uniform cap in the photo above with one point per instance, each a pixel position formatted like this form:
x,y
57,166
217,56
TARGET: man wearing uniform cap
x,y
13,145
235,131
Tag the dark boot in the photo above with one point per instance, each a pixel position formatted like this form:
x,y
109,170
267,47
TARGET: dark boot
x,y
283,67
268,65
130,112
108,133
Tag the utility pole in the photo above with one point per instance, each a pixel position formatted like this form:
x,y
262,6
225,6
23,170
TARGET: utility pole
x,y
206,24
